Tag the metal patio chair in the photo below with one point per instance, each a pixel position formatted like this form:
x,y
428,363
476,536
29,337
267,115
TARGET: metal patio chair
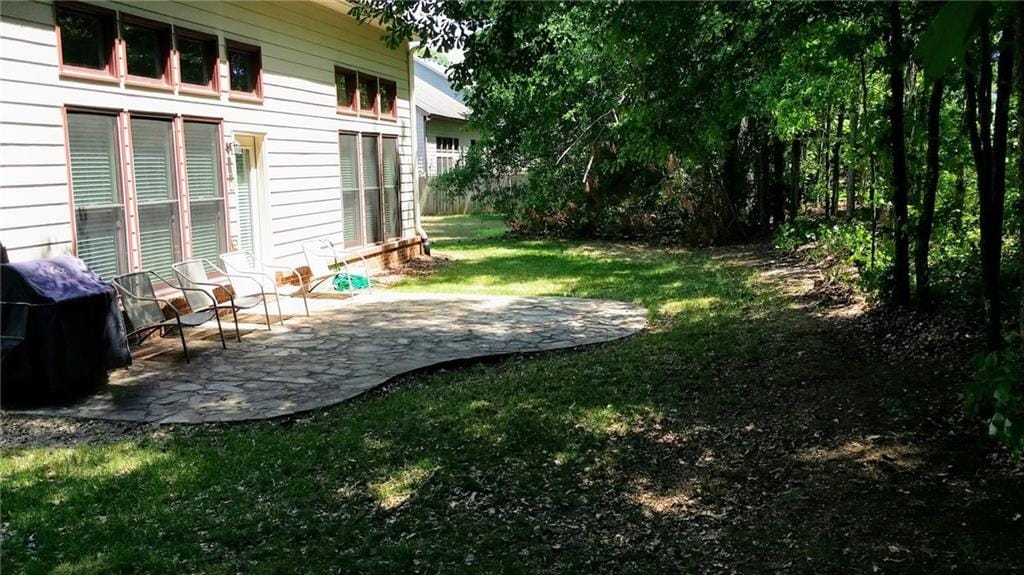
x,y
145,316
193,274
245,263
322,254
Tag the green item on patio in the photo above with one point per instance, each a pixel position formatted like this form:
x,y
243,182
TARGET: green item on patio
x,y
346,282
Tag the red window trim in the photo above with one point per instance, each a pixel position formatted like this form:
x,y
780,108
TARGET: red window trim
x,y
110,73
393,115
353,108
165,81
257,94
212,88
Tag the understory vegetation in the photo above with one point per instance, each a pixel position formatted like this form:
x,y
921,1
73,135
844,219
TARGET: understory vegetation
x,y
887,136
750,429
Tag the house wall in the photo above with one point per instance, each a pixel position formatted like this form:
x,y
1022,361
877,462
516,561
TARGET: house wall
x,y
301,43
442,127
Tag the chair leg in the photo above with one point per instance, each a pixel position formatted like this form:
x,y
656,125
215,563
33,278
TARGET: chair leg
x,y
280,312
220,330
304,303
266,313
238,334
184,346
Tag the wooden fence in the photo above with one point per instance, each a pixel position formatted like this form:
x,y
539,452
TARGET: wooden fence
x,y
434,203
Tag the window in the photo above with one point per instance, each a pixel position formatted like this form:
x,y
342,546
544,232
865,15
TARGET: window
x,y
244,69
87,38
156,194
391,170
370,188
388,99
205,190
96,192
98,183
447,154
345,84
367,94
448,144
147,47
197,60
351,206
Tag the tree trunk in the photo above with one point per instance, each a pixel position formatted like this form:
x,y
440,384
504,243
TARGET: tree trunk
x,y
924,226
794,179
854,127
874,212
830,206
897,137
988,139
1018,81
1000,133
778,181
823,156
763,180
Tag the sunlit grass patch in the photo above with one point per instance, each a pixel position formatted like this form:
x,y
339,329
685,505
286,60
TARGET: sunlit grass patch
x,y
401,485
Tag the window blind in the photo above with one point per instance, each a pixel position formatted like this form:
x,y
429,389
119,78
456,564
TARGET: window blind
x,y
371,189
205,195
350,212
243,180
96,191
156,194
392,185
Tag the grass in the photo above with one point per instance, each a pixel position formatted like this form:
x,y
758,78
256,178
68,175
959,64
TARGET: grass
x,y
661,452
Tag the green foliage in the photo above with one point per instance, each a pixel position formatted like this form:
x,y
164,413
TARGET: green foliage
x,y
996,394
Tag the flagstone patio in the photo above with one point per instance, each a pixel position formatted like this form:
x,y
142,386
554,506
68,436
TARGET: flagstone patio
x,y
342,350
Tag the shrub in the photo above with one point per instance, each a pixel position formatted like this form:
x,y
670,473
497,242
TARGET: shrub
x,y
997,395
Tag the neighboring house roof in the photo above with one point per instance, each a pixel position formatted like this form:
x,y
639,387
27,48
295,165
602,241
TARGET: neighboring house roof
x,y
434,93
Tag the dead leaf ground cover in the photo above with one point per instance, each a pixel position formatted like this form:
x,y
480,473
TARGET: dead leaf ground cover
x,y
754,428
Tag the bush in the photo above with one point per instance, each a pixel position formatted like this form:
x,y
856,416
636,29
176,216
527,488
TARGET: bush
x,y
997,395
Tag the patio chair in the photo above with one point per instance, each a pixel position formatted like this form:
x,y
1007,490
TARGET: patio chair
x,y
322,254
193,274
245,263
145,316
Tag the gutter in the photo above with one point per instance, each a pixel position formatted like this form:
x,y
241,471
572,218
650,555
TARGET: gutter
x,y
422,233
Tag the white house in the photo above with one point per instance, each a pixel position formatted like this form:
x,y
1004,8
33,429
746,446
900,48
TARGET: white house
x,y
135,134
441,115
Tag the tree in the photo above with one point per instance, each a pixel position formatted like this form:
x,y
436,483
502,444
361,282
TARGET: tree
x,y
897,140
927,218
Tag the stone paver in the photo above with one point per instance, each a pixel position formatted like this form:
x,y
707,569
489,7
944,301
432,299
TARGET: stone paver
x,y
345,350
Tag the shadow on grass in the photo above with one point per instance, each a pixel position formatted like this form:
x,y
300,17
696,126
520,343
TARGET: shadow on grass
x,y
736,436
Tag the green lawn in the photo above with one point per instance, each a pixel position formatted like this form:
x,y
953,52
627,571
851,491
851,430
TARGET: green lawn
x,y
656,453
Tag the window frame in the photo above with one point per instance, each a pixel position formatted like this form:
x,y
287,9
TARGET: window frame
x,y
353,108
111,72
177,171
125,174
381,113
186,194
126,195
384,236
256,96
167,80
211,88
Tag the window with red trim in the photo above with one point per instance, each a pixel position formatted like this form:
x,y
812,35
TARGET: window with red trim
x,y
147,46
244,69
87,37
197,59
388,98
345,84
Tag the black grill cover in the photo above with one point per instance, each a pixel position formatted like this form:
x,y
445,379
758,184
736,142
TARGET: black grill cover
x,y
61,345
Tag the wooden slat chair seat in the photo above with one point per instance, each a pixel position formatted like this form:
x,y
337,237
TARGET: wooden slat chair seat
x,y
146,316
193,274
324,258
245,263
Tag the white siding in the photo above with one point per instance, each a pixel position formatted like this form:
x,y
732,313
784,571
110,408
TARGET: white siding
x,y
300,42
446,128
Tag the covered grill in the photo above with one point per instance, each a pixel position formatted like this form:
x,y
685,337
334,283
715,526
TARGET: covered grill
x,y
62,331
